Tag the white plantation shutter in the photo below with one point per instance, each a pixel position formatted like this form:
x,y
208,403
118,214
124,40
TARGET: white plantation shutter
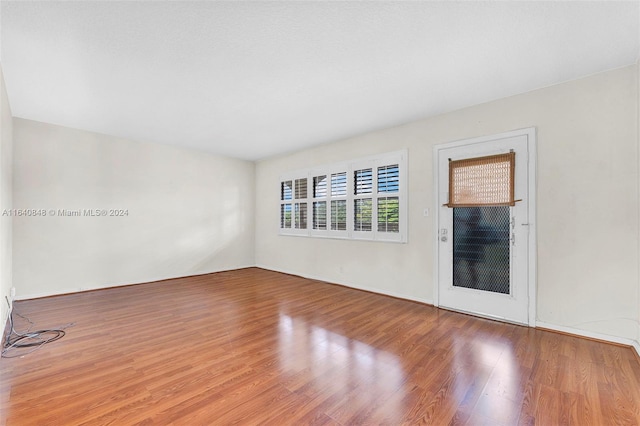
x,y
389,178
362,199
363,181
300,206
338,206
339,184
362,214
301,188
320,202
285,204
388,205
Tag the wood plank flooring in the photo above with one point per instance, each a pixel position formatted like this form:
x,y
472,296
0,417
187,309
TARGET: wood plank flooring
x,y
259,347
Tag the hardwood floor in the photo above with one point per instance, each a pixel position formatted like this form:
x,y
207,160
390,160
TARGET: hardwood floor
x,y
259,347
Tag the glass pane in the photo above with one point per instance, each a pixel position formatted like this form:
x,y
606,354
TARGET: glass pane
x,y
339,184
320,186
339,215
285,190
389,178
388,214
301,216
301,188
285,215
320,215
363,181
481,248
362,214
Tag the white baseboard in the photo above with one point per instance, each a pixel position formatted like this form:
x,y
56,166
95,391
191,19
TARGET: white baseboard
x,y
564,329
569,330
351,285
590,334
70,291
151,280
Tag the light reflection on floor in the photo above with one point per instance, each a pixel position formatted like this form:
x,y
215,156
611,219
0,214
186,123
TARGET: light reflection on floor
x,y
373,379
495,363
365,375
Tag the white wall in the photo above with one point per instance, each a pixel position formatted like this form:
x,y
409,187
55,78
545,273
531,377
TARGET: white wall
x,y
637,345
189,212
587,203
6,143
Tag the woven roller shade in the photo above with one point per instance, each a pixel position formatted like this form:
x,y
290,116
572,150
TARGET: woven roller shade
x,y
482,181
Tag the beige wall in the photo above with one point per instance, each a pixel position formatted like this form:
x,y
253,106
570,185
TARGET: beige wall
x,y
189,212
6,143
587,203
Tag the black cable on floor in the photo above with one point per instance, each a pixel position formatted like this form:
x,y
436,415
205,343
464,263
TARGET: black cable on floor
x,y
28,339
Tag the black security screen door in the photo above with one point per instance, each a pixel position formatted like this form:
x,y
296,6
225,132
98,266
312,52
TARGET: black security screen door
x,y
481,248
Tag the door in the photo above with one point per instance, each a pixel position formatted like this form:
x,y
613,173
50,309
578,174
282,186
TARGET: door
x,y
486,262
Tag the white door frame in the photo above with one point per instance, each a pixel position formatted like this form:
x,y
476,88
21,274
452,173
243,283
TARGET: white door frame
x,y
530,133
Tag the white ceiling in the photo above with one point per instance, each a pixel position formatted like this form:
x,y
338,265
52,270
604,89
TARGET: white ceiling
x,y
256,79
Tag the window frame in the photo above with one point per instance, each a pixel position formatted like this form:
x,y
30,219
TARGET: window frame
x,y
292,230
372,162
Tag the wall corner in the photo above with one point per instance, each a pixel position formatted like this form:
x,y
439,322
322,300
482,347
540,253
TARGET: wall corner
x,y
6,201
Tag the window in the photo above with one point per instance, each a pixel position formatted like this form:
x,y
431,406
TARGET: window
x,y
320,215
388,214
300,206
338,214
293,204
388,207
339,184
363,199
285,204
362,214
388,178
319,202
